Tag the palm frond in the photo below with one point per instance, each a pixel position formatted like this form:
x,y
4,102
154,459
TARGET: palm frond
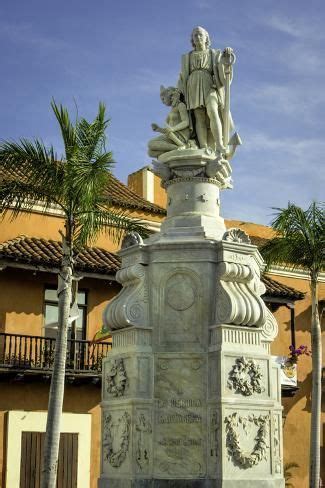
x,y
299,240
91,137
68,131
87,169
29,171
17,196
79,183
30,161
89,180
114,224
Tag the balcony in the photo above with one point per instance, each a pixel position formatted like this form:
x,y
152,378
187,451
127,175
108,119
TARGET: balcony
x,y
23,356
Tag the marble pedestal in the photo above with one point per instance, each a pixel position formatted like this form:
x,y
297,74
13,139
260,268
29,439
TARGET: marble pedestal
x,y
190,395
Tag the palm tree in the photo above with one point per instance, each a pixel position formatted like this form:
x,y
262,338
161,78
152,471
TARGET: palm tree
x,y
78,185
299,242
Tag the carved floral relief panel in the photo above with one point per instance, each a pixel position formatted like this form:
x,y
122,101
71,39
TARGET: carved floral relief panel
x,y
115,378
246,376
247,437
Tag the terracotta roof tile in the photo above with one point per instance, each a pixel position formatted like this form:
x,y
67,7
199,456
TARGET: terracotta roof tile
x,y
118,193
258,241
279,290
121,194
44,252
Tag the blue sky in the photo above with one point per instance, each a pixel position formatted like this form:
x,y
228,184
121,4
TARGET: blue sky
x,y
120,52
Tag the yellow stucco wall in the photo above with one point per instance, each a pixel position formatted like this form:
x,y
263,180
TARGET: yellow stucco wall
x,y
22,300
297,409
159,193
34,397
135,182
33,224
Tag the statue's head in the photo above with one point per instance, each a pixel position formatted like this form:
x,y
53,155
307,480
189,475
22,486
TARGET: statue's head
x,y
199,30
170,95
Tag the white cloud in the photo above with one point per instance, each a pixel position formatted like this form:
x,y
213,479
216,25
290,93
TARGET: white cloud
x,y
296,27
293,100
303,59
301,47
291,145
268,172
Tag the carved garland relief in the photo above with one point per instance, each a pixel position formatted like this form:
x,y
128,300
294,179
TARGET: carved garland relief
x,y
116,377
246,377
240,457
116,439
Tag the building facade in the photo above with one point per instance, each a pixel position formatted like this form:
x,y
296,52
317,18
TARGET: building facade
x,y
30,253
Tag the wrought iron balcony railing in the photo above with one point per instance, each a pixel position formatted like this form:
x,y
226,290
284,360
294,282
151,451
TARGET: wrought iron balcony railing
x,y
25,353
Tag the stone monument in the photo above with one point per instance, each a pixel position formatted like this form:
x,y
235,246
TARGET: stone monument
x,y
190,394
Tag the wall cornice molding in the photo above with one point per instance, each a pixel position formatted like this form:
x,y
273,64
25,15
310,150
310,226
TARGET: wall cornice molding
x,y
289,273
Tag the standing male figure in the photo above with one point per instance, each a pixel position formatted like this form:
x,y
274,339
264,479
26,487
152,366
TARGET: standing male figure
x,y
202,80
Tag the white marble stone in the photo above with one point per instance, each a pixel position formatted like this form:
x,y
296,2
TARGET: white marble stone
x,y
191,397
199,398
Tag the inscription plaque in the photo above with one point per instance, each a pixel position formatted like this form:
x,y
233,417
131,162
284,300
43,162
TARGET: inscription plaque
x,y
179,415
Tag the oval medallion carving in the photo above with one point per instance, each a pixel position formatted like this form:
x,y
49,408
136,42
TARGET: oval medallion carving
x,y
180,292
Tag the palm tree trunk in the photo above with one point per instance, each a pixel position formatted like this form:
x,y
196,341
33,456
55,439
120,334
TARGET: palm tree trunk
x,y
314,470
52,437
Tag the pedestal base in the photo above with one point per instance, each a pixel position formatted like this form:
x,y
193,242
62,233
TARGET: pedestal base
x,y
191,397
199,483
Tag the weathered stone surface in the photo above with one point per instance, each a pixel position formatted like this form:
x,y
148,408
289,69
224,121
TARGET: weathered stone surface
x,y
180,441
191,396
185,483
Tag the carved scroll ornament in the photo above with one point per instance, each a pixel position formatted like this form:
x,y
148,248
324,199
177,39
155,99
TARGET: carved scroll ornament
x,y
239,457
270,328
246,377
238,295
130,306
